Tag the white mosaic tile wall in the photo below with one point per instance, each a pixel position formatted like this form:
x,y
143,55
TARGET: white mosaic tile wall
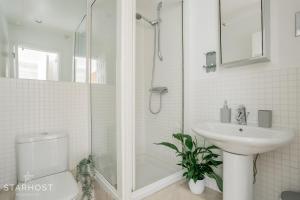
x,y
29,107
277,90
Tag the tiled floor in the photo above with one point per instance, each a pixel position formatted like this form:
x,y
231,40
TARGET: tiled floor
x,y
177,191
6,195
180,191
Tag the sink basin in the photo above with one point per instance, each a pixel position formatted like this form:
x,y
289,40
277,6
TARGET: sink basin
x,y
240,143
244,140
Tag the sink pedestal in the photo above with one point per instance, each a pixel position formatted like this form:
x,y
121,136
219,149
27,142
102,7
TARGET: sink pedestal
x,y
237,177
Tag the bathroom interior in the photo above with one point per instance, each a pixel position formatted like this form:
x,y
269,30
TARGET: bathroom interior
x,y
116,83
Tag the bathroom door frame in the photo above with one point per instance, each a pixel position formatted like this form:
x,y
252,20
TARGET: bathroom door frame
x,y
125,96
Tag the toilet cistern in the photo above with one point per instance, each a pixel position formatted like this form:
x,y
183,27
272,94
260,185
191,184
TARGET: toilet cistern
x,y
42,161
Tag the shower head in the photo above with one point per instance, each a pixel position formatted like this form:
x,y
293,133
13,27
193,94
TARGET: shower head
x,y
138,16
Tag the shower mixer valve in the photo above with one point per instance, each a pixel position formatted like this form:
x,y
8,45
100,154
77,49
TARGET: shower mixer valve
x,y
159,90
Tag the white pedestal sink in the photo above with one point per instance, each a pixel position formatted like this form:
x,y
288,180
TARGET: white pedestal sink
x,y
239,144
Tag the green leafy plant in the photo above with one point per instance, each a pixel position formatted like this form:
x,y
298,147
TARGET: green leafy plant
x,y
85,174
197,161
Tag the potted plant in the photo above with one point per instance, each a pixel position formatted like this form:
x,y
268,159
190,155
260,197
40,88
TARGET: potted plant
x,y
197,162
85,175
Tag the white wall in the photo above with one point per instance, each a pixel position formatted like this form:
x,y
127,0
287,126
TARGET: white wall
x,y
48,40
29,107
274,85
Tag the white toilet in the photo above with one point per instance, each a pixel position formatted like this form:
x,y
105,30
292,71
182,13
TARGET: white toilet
x,y
42,164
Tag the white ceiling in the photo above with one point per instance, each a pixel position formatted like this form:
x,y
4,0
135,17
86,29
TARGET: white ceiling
x,y
64,15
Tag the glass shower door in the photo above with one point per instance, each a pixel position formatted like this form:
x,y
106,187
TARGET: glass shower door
x,y
103,88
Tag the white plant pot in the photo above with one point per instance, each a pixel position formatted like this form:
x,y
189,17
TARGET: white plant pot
x,y
198,187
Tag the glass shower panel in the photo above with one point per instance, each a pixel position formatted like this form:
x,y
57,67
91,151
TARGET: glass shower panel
x,y
80,72
103,88
159,87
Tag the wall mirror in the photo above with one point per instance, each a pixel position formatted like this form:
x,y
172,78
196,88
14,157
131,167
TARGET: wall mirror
x,y
244,32
43,40
297,24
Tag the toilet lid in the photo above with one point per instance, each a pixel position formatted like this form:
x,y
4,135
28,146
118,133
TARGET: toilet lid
x,y
60,186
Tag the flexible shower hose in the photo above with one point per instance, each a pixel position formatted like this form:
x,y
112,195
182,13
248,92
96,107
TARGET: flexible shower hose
x,y
153,76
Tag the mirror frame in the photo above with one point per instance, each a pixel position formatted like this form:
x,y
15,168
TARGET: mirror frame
x,y
265,19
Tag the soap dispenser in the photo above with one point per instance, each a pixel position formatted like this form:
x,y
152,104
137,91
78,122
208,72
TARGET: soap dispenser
x,y
225,113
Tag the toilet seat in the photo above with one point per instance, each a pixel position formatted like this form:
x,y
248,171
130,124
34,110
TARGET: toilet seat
x,y
61,186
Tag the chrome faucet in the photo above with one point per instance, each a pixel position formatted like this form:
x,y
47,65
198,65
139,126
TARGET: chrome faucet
x,y
241,115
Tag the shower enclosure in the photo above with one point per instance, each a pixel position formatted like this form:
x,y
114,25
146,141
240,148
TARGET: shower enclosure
x,y
136,92
159,88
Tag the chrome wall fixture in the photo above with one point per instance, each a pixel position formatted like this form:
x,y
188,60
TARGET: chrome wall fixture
x,y
156,53
211,61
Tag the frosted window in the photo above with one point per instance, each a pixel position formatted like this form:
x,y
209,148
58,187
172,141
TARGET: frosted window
x,y
39,65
